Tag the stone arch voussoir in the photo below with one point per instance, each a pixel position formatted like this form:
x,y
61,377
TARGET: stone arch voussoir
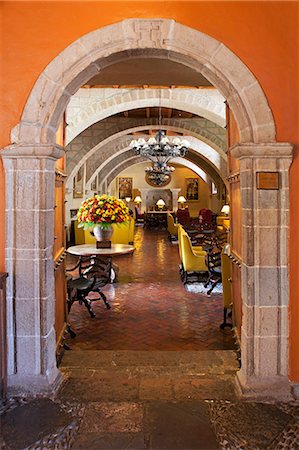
x,y
84,58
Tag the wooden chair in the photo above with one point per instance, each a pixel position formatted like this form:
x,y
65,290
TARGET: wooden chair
x,y
93,274
214,267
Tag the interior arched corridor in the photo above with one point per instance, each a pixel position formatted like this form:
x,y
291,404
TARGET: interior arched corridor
x,y
30,160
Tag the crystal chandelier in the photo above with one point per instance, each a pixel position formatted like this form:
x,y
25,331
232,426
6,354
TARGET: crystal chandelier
x,y
159,173
160,150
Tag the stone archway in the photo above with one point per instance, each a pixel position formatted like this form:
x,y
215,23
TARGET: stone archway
x,y
30,162
199,104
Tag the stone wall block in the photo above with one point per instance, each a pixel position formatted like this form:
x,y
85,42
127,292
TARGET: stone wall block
x,y
265,164
267,199
267,286
284,198
28,317
82,77
26,229
265,133
248,320
247,352
246,179
267,217
44,88
267,320
29,355
247,285
267,247
27,283
247,198
30,133
47,278
266,356
284,285
248,245
283,249
283,367
48,366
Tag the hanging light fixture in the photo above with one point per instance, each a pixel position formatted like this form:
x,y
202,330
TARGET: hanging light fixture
x,y
160,150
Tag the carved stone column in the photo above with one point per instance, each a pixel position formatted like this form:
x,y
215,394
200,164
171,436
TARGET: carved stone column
x,y
30,183
143,194
265,284
175,195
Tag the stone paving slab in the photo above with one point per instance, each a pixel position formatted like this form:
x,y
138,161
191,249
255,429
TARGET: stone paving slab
x,y
26,424
205,360
114,441
180,426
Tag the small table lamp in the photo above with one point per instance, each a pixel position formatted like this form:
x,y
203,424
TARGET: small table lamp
x,y
182,200
128,199
225,210
138,200
160,203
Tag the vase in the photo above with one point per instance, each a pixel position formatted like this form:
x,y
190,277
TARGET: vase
x,y
103,236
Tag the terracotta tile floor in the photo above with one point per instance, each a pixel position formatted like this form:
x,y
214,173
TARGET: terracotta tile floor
x,y
150,309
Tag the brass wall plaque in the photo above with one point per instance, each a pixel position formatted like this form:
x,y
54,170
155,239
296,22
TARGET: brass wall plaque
x,y
267,180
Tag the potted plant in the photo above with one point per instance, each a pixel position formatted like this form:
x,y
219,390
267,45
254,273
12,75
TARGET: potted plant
x,y
98,213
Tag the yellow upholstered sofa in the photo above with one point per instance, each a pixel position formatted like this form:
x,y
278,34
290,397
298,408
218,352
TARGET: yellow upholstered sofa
x,y
122,233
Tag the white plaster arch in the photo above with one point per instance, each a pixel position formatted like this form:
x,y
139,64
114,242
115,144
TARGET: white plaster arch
x,y
183,100
84,58
218,158
83,152
123,150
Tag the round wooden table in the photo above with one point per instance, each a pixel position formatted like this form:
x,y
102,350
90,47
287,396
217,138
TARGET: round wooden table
x,y
89,250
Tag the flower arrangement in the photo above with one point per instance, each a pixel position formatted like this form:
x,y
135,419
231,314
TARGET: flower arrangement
x,y
103,210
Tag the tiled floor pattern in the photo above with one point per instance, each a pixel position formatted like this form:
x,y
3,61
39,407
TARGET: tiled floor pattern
x,y
149,397
150,309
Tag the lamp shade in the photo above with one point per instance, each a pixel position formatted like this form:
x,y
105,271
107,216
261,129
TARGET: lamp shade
x,y
225,209
138,199
128,199
181,199
160,203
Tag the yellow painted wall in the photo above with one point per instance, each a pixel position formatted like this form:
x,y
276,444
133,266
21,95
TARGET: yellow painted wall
x,y
178,180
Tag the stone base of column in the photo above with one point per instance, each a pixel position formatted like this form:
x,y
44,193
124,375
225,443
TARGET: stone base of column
x,y
34,385
295,390
271,388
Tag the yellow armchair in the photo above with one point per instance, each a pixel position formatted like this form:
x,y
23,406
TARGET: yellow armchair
x,y
193,262
122,233
195,248
172,227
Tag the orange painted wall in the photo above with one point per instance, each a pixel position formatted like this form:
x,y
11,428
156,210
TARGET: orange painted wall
x,y
263,34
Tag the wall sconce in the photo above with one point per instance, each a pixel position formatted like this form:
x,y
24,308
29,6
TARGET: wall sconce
x,y
182,200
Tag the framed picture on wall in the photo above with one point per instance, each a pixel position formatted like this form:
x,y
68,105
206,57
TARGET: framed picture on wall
x,y
73,213
94,184
191,189
78,184
125,187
